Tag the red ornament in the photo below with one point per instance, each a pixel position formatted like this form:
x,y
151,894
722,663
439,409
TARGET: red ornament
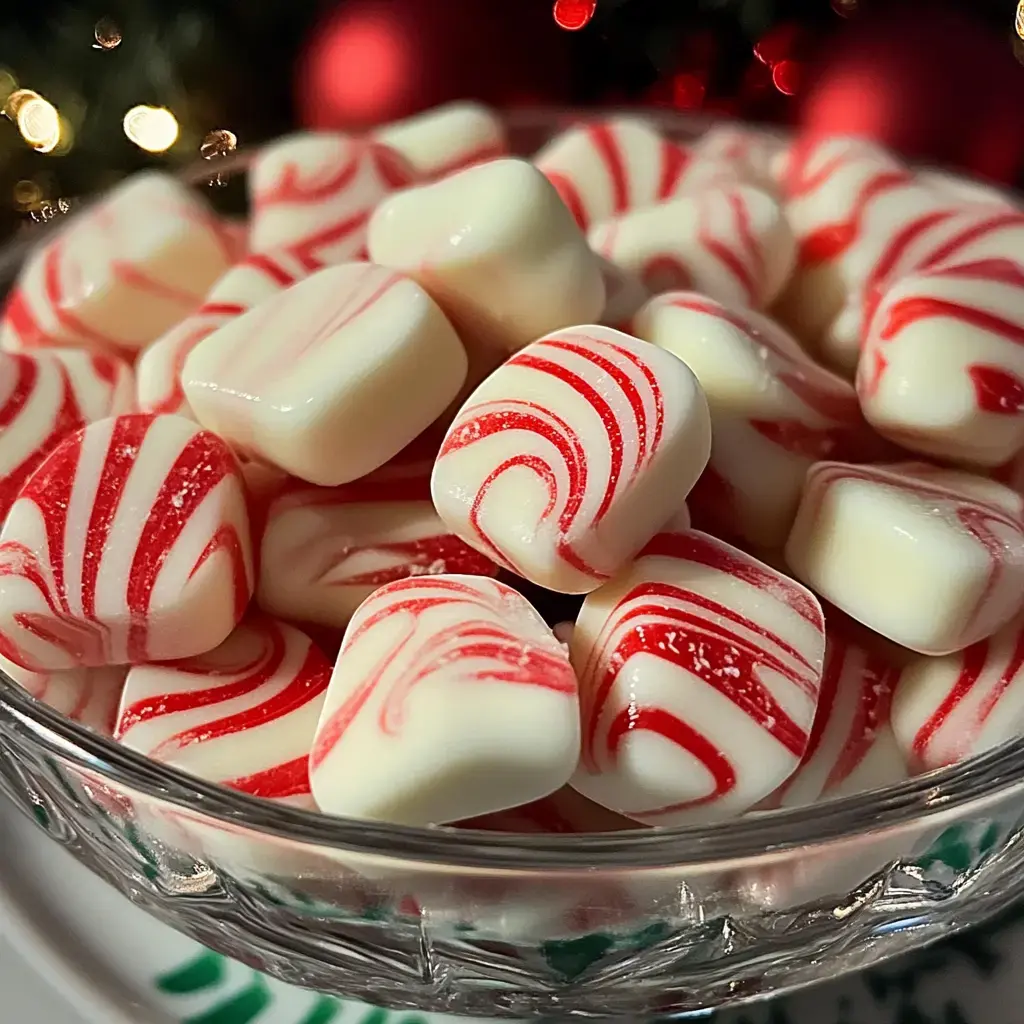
x,y
935,85
377,60
574,14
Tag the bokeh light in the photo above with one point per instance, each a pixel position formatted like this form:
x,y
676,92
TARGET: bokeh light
x,y
154,129
37,120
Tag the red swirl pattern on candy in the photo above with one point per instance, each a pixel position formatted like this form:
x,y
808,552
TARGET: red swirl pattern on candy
x,y
607,168
942,367
257,277
926,562
120,274
851,747
774,412
313,194
242,715
948,709
89,696
438,677
326,549
730,242
568,458
129,543
699,672
46,396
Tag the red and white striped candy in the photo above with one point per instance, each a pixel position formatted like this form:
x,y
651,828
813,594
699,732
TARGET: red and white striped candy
x,y
89,696
565,812
942,366
948,709
496,248
774,412
130,543
46,396
330,378
242,715
699,670
446,139
313,194
731,243
450,699
990,490
257,277
326,549
607,168
120,274
852,748
925,564
848,202
570,456
750,155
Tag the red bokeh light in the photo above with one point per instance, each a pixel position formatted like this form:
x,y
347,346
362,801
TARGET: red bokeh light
x,y
574,14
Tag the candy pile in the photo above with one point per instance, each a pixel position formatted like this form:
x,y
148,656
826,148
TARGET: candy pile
x,y
443,420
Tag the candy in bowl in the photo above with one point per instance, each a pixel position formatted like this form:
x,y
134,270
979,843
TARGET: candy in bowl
x,y
583,583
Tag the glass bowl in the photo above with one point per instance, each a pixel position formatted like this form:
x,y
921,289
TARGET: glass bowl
x,y
648,924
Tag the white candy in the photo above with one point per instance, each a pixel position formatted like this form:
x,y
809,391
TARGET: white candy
x,y
450,699
122,273
568,458
774,412
242,715
948,709
88,696
606,168
130,543
313,194
325,550
731,243
446,139
928,566
44,397
852,748
330,378
942,367
699,670
244,286
495,247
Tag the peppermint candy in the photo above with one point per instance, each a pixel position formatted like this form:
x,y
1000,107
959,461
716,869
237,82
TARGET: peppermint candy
x,y
330,378
941,370
606,168
313,194
447,139
89,696
257,277
242,715
851,748
129,543
568,458
730,242
326,549
120,274
46,396
450,699
774,412
699,672
948,709
922,562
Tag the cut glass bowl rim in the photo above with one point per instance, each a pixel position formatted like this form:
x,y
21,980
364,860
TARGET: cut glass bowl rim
x,y
939,795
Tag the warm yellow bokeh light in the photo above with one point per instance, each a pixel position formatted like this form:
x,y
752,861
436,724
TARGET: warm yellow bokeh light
x,y
153,129
38,122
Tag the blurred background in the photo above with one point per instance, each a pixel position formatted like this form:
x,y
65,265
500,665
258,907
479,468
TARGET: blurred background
x,y
93,89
